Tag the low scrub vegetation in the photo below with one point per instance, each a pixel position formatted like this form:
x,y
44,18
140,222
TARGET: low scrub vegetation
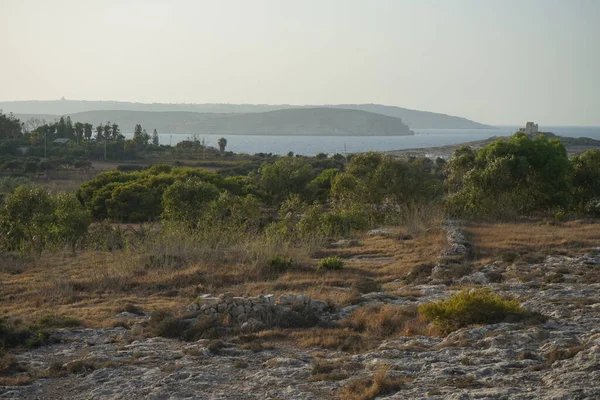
x,y
331,264
381,383
14,333
475,306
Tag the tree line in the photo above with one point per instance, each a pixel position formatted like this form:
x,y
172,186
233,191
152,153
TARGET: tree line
x,y
298,198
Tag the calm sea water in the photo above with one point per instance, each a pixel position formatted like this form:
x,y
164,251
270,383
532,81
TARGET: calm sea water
x,y
311,145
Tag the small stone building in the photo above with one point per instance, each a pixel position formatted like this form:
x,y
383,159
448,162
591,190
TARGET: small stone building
x,y
530,128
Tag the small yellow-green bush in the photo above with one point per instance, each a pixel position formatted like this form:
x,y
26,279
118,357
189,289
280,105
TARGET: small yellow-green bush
x,y
477,306
279,263
330,263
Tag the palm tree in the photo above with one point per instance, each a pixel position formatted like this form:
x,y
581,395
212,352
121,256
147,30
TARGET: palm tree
x,y
116,132
99,130
107,131
222,142
87,129
79,131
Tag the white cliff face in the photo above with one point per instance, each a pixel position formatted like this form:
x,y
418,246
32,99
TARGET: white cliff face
x,y
557,359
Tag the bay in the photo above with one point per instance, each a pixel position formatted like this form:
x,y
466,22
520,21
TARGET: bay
x,y
311,145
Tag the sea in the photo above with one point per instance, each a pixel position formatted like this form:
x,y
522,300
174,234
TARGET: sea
x,y
311,145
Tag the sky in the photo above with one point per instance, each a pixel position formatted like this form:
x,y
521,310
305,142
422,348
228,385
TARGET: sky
x,y
492,61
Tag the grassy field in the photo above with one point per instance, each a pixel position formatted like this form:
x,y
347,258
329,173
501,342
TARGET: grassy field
x,y
532,242
93,286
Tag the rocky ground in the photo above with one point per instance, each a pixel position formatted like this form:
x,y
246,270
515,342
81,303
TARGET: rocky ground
x,y
556,359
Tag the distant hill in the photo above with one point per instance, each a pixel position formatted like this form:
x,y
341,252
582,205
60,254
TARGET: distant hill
x,y
413,118
304,121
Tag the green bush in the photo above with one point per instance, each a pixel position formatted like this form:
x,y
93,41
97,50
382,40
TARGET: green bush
x,y
279,263
164,324
71,220
343,221
331,264
25,219
586,181
508,178
104,236
477,306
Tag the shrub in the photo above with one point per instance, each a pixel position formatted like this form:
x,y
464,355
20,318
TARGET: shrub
x,y
163,323
279,264
11,334
382,321
133,309
477,306
104,236
343,221
366,285
368,388
284,177
53,321
187,200
25,219
510,177
331,264
71,220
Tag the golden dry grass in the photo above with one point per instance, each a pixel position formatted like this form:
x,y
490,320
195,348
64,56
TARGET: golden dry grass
x,y
365,328
94,286
368,388
532,242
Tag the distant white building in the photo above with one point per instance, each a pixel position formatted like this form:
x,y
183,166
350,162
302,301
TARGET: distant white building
x,y
530,128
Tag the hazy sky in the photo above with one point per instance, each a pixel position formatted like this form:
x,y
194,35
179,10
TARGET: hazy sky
x,y
494,61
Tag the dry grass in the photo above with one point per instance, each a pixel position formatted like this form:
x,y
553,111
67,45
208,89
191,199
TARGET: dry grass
x,y
366,328
93,286
342,339
530,242
333,370
557,354
381,383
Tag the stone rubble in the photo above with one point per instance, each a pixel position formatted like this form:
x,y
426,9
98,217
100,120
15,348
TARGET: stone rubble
x,y
261,311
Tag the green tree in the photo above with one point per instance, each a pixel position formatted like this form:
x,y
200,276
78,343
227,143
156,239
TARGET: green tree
x,y
135,202
375,180
586,181
155,137
511,177
116,132
71,220
187,200
229,213
107,131
284,177
320,187
26,219
461,162
140,136
10,127
69,130
87,130
146,137
61,128
99,132
79,129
